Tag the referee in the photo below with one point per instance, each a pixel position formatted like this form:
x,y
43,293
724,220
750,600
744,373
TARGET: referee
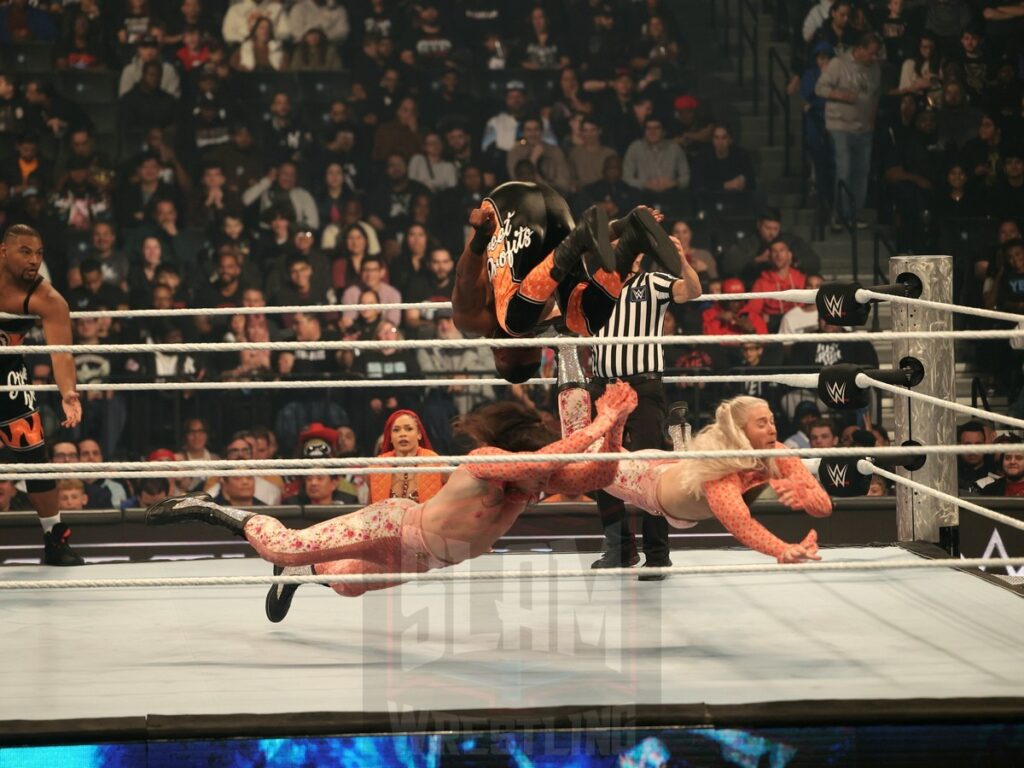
x,y
640,312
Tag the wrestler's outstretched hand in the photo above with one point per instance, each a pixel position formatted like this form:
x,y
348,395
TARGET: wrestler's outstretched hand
x,y
483,219
802,552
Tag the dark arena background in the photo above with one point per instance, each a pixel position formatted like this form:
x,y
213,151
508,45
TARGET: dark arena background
x,y
295,178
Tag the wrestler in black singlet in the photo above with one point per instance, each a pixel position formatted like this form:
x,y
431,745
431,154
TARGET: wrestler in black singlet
x,y
21,429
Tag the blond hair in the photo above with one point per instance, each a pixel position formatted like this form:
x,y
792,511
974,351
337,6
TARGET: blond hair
x,y
70,485
724,434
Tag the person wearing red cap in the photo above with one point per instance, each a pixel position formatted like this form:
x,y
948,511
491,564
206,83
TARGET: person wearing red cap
x,y
730,318
404,435
691,128
477,506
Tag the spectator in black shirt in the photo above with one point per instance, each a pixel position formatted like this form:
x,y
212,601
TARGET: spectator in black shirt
x,y
146,105
226,290
243,162
1009,195
972,467
93,291
724,173
285,136
389,203
611,193
138,197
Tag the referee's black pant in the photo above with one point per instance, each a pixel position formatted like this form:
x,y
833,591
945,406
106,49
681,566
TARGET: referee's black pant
x,y
644,429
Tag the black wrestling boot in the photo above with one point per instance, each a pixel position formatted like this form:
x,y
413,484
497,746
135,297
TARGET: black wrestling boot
x,y
198,508
655,562
640,233
56,550
279,598
587,243
617,557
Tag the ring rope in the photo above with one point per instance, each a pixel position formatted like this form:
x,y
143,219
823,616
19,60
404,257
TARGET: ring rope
x,y
990,314
794,295
437,463
798,380
863,380
575,573
866,467
547,341
285,309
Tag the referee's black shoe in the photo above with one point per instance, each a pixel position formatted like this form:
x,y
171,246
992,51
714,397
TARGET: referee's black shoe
x,y
655,562
617,557
588,243
638,232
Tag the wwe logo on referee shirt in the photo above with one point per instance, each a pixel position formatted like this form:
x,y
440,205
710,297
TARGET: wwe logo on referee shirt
x,y
834,305
836,391
638,293
837,474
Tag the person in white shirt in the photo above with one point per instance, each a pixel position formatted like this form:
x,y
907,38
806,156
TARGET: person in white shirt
x,y
805,414
429,168
803,317
242,15
324,14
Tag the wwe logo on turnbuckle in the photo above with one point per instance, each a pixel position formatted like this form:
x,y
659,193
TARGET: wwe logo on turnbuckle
x,y
834,305
836,391
837,474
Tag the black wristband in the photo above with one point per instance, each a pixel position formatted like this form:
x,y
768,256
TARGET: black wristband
x,y
479,242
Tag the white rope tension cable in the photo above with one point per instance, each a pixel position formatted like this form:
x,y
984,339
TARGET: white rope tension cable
x,y
866,467
519,574
304,309
427,464
864,294
794,295
798,380
863,381
545,341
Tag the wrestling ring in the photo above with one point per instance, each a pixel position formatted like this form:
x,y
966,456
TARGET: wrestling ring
x,y
895,653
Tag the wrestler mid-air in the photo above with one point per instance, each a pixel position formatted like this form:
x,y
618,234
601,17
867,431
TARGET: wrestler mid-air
x,y
475,508
686,491
529,262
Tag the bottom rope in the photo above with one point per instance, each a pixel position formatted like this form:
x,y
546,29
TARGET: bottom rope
x,y
449,576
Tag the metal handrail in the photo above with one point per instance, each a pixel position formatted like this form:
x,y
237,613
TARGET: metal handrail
x,y
881,239
978,393
850,222
780,96
749,34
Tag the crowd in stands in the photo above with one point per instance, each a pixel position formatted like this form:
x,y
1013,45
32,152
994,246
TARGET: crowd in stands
x,y
197,153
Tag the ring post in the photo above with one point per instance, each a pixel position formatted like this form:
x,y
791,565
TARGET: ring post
x,y
921,517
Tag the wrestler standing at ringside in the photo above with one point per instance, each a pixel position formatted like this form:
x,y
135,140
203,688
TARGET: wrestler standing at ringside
x,y
24,292
528,256
476,507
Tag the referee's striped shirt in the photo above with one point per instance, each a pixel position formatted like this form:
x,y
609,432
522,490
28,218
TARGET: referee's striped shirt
x,y
640,312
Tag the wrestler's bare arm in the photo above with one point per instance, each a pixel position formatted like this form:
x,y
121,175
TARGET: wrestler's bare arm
x,y
53,310
472,298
